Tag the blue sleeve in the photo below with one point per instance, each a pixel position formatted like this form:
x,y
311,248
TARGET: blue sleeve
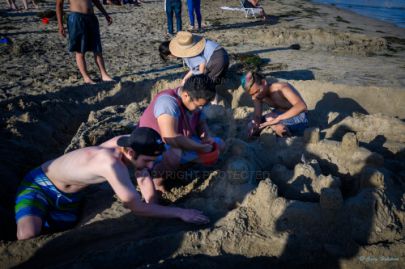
x,y
194,63
166,104
203,117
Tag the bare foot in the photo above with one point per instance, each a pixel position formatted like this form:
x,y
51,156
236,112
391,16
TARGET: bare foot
x,y
89,81
106,78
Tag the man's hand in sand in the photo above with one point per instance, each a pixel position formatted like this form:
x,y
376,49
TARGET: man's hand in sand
x,y
280,129
193,216
109,19
270,122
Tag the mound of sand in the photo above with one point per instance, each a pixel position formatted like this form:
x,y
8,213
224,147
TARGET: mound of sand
x,y
266,198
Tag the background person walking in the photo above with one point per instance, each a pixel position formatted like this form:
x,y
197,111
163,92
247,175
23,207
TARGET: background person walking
x,y
194,6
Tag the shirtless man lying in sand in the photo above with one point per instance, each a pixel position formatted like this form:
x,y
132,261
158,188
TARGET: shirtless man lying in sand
x,y
49,196
84,34
288,116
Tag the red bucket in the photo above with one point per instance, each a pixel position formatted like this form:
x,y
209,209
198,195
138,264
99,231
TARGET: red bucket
x,y
45,20
210,158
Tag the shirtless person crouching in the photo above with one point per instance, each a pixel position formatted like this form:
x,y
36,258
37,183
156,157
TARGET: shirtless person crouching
x,y
84,34
49,196
289,114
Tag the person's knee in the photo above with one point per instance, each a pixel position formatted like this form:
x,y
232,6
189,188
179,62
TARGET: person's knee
x,y
28,227
172,159
27,233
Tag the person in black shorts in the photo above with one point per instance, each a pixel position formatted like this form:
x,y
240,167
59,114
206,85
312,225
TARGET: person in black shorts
x,y
84,34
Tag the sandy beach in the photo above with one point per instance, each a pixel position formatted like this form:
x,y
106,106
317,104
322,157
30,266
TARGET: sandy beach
x,y
333,198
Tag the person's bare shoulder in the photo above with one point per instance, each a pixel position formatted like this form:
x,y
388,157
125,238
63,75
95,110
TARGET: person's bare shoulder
x,y
104,157
111,143
276,86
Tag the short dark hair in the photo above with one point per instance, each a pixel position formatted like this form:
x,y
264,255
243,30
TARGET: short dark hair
x,y
257,77
164,50
200,86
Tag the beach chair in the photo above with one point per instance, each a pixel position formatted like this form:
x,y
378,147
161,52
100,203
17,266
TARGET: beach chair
x,y
249,12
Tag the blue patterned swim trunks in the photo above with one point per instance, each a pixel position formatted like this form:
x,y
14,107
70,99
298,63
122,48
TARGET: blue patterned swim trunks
x,y
38,196
296,125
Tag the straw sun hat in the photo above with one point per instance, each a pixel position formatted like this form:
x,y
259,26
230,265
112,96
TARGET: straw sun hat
x,y
185,45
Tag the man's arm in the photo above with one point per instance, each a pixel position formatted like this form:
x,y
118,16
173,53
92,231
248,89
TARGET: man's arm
x,y
298,106
117,175
257,113
187,76
59,16
168,128
100,7
203,131
201,68
146,185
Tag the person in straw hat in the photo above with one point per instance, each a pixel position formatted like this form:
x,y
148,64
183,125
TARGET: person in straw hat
x,y
202,56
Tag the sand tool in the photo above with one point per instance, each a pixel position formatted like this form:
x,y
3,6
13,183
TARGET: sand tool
x,y
210,158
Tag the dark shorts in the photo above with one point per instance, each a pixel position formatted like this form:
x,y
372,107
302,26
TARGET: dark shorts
x,y
84,33
218,65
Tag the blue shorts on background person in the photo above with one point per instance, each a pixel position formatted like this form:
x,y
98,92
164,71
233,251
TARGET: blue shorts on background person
x,y
194,6
173,6
84,33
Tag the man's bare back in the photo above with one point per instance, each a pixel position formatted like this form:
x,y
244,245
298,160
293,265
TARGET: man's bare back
x,y
275,96
77,169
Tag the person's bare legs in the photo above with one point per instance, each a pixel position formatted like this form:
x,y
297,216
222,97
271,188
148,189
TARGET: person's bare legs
x,y
11,4
81,63
25,4
28,227
98,57
35,4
